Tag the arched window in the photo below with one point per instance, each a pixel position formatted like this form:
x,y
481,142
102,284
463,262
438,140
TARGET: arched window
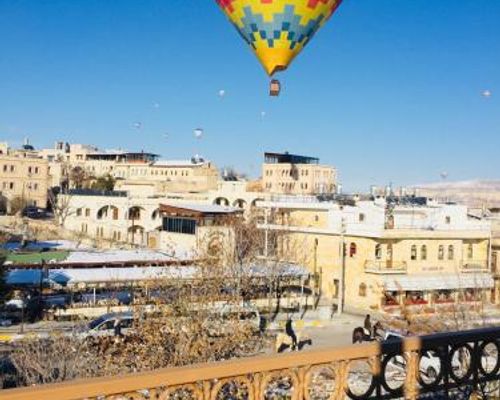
x,y
413,252
362,290
451,252
378,251
470,251
423,252
352,249
441,252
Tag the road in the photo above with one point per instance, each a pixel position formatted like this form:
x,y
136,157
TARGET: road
x,y
335,333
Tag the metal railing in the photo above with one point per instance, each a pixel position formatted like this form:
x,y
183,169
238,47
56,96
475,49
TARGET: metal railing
x,y
95,192
385,267
447,366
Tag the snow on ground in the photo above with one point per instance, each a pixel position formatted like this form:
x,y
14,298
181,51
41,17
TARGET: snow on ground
x,y
51,244
87,275
97,256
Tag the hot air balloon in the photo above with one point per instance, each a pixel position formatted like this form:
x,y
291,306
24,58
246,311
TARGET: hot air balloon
x,y
277,30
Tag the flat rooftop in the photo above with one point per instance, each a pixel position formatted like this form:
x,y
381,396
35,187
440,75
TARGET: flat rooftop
x,y
287,158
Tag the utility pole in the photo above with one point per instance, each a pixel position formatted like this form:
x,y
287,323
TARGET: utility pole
x,y
340,308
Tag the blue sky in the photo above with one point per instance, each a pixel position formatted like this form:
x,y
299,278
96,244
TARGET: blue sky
x,y
387,91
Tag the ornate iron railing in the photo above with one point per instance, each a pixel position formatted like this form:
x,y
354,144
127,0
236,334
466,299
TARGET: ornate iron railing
x,y
461,365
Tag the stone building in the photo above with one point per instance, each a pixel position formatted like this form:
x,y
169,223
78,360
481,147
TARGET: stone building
x,y
399,253
284,173
24,178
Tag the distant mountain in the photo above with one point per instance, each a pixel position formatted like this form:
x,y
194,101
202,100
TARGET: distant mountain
x,y
474,193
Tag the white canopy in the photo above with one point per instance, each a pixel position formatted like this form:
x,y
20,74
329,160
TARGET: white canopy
x,y
438,282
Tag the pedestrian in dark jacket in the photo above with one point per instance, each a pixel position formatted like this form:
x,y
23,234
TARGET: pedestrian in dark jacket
x,y
290,332
368,324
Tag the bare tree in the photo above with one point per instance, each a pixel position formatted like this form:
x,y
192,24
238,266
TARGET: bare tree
x,y
60,205
17,205
78,177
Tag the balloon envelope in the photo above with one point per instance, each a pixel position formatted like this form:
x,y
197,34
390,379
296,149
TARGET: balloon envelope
x,y
278,30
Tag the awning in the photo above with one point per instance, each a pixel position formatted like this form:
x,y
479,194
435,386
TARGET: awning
x,y
438,282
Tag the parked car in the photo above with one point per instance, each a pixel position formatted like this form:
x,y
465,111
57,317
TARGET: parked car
x,y
430,363
105,325
36,213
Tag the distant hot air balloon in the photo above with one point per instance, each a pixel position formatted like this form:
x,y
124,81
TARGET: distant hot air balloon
x,y
198,133
278,30
486,93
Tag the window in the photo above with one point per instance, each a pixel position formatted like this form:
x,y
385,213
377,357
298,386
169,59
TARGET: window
x,y
12,168
78,212
423,252
448,220
413,255
179,225
87,212
362,290
316,218
470,251
352,249
441,252
11,185
361,217
451,252
378,251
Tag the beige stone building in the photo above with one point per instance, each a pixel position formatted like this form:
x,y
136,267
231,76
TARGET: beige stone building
x,y
169,176
23,177
175,226
417,256
284,173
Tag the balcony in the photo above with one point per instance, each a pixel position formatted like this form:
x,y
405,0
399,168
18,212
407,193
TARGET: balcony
x,y
474,266
447,365
386,267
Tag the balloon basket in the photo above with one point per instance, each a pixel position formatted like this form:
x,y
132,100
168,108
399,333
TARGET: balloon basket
x,y
274,88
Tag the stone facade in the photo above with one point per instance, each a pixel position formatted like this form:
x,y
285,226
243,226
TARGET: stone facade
x,y
422,254
25,177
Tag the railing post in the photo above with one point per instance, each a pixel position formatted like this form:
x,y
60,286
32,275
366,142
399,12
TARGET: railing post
x,y
411,382
341,379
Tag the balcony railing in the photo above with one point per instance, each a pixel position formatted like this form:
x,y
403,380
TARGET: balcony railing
x,y
450,365
474,265
386,267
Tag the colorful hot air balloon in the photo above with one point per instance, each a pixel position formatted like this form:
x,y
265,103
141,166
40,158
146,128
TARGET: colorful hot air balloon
x,y
278,30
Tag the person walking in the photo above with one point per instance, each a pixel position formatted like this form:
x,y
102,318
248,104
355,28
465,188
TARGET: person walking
x,y
290,332
368,324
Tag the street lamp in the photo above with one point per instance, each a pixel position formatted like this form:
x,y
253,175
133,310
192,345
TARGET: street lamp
x,y
340,307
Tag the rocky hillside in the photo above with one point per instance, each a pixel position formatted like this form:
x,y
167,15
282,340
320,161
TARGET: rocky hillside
x,y
475,194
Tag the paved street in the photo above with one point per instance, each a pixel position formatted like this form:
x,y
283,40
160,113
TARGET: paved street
x,y
334,333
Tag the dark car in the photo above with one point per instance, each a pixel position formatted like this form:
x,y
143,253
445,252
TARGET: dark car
x,y
35,213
